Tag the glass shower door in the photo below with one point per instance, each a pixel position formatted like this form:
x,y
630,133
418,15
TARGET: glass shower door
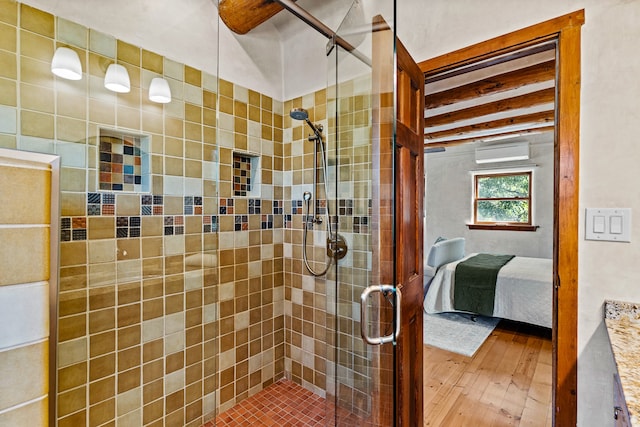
x,y
360,290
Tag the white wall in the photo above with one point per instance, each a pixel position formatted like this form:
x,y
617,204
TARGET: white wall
x,y
449,192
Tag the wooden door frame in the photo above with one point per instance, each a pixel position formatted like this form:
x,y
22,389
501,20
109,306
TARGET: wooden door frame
x,y
566,31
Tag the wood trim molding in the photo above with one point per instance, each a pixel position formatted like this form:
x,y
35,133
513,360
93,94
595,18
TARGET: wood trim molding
x,y
566,30
503,227
515,40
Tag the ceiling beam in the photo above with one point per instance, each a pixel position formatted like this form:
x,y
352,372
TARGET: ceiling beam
x,y
537,73
541,117
241,16
532,99
454,142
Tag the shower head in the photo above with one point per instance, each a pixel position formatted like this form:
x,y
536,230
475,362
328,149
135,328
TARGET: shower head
x,y
306,196
302,114
299,114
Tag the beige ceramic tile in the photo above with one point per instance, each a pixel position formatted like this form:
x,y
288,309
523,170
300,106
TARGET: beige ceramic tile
x,y
37,124
24,255
37,21
128,53
73,179
102,112
73,204
8,65
72,105
35,413
102,251
152,61
9,11
128,118
192,76
71,33
24,373
72,130
8,37
128,204
36,46
29,191
102,44
8,92
71,352
36,72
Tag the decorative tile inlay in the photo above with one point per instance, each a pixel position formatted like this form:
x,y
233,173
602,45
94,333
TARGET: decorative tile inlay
x,y
278,207
241,222
73,228
267,222
345,207
209,223
226,206
128,226
255,206
361,224
296,207
241,174
192,205
120,163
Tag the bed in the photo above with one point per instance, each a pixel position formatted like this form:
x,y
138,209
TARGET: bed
x,y
523,289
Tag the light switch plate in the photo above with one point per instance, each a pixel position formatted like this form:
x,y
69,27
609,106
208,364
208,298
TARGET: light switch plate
x,y
608,224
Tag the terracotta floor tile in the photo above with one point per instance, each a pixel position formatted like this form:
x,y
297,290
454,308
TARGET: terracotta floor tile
x,y
283,404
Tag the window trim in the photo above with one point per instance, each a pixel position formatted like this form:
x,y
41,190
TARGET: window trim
x,y
501,225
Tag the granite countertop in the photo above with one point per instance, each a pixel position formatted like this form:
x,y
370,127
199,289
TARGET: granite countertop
x,y
623,325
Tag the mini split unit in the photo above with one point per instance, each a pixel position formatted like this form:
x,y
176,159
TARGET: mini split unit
x,y
506,152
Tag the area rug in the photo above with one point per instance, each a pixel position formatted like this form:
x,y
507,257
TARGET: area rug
x,y
457,332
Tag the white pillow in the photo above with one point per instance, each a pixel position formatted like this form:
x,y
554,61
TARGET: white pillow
x,y
446,251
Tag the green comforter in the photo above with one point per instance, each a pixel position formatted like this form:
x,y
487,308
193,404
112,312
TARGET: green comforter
x,y
475,283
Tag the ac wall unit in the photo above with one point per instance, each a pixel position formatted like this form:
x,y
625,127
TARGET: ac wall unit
x,y
506,152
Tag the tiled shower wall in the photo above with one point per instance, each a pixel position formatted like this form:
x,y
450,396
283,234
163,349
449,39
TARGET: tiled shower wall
x,y
322,313
145,276
25,277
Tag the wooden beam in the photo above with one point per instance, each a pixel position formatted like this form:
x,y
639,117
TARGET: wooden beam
x,y
537,73
510,42
454,142
541,117
527,100
242,16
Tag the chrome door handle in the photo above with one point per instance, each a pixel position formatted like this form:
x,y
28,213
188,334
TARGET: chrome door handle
x,y
364,318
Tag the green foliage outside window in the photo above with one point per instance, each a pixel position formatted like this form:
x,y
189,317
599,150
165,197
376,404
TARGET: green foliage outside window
x,y
503,198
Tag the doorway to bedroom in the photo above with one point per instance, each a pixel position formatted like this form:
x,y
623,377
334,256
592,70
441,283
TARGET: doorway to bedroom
x,y
501,178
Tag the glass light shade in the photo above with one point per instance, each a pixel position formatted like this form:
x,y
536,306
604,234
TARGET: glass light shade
x,y
66,64
117,79
159,91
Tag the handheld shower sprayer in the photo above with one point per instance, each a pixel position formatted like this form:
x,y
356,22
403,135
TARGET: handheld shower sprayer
x,y
336,245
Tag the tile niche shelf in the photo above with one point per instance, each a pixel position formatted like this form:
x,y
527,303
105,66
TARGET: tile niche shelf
x,y
246,175
124,162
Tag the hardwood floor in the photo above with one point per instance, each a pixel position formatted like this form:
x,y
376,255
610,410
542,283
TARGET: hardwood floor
x,y
506,383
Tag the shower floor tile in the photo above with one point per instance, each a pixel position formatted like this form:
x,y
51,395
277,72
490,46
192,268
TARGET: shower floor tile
x,y
283,404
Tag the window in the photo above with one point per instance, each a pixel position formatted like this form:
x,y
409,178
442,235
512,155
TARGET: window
x,y
502,201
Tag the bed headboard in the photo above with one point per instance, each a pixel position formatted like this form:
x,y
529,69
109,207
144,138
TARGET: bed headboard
x,y
445,251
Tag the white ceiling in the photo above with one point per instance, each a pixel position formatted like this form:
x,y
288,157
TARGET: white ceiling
x,y
187,31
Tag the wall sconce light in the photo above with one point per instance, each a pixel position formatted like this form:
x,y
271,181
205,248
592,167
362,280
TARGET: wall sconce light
x,y
66,64
117,79
159,91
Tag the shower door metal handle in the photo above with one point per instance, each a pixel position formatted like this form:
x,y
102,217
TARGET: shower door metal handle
x,y
364,318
